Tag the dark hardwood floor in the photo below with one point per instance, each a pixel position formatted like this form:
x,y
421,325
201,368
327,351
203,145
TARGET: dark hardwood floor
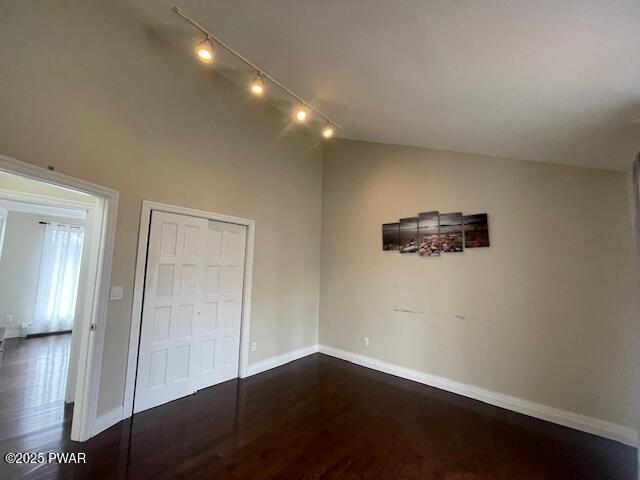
x,y
323,418
33,376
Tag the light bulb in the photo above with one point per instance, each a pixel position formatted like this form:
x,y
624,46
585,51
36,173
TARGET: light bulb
x,y
327,132
301,115
204,50
257,86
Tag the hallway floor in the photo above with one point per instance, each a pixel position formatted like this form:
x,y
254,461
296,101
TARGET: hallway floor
x,y
33,376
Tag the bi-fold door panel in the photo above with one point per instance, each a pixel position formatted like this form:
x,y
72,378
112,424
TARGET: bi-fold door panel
x,y
222,297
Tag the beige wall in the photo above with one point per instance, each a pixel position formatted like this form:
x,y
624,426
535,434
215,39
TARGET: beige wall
x,y
105,97
549,309
20,265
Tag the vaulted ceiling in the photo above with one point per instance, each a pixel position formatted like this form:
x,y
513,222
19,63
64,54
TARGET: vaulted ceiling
x,y
547,80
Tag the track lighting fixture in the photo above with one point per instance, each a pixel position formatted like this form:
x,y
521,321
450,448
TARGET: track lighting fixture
x,y
327,131
301,114
257,85
204,50
205,53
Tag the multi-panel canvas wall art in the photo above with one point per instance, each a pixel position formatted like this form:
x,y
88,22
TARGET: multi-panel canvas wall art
x,y
409,235
429,234
391,236
476,231
451,232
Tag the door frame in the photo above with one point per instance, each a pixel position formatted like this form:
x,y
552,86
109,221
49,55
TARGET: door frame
x,y
138,290
100,227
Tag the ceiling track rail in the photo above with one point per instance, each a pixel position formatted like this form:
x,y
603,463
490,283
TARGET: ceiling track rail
x,y
185,16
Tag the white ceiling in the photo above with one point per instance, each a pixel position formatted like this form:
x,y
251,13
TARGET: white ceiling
x,y
544,80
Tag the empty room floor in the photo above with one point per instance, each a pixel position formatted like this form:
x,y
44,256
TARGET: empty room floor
x,y
321,417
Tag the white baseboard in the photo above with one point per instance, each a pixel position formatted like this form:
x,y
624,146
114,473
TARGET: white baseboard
x,y
280,360
107,420
12,333
583,423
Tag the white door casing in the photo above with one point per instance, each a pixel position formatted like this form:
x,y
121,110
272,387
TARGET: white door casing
x,y
92,305
3,223
190,332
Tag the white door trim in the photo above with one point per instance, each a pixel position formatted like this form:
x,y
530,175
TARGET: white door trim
x,y
96,296
138,290
46,200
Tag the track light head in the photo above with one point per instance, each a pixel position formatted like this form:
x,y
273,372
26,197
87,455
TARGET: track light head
x,y
328,131
257,85
204,50
301,114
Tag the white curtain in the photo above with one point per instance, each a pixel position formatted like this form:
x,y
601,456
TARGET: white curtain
x,y
58,279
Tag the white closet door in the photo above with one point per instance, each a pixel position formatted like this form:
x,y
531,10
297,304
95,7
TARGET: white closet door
x,y
167,360
222,311
192,308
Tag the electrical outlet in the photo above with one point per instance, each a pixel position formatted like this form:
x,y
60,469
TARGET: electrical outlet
x,y
366,341
9,318
254,347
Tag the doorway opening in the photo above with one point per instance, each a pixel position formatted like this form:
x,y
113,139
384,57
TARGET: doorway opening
x,y
56,239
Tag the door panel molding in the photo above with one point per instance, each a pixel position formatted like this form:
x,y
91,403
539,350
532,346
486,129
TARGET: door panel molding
x,y
138,293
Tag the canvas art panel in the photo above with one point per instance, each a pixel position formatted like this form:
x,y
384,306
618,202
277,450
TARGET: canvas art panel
x,y
390,236
409,235
476,231
451,232
429,234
